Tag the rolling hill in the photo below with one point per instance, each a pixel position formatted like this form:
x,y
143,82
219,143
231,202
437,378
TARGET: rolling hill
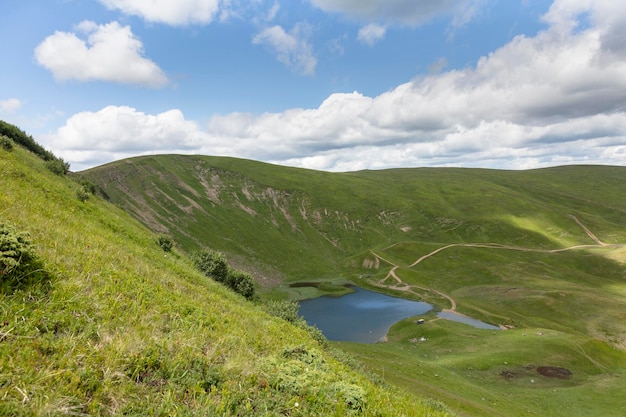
x,y
538,252
97,319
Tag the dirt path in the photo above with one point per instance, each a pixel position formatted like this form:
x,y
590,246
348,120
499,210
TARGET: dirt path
x,y
400,285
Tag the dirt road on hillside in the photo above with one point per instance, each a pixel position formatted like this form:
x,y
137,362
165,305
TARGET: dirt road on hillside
x,y
400,285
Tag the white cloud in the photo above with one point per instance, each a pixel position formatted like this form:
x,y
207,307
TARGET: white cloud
x,y
291,48
124,129
171,12
411,12
371,33
555,98
110,53
10,105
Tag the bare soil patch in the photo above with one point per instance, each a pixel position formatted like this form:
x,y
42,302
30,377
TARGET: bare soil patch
x,y
554,372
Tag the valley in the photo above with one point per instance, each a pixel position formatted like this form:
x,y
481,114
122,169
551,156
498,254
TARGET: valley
x,y
540,253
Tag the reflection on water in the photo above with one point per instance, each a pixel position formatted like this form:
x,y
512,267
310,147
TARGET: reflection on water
x,y
449,315
362,316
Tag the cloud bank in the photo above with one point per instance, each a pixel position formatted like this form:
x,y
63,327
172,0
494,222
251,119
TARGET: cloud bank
x,y
556,98
110,52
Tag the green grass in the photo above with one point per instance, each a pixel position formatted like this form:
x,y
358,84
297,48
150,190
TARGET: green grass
x,y
494,373
291,225
122,327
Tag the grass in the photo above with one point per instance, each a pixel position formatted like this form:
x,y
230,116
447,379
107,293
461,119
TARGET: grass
x,y
293,225
122,327
494,373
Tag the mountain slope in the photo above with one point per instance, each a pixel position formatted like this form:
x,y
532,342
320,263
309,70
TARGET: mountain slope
x,y
302,223
541,253
117,326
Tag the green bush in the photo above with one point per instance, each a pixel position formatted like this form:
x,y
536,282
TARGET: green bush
x,y
6,143
286,310
16,251
212,264
165,242
82,195
87,185
58,166
19,265
353,395
240,282
21,138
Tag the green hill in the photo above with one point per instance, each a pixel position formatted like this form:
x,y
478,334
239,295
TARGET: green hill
x,y
539,252
102,321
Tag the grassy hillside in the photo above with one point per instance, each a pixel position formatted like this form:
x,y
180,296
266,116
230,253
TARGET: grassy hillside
x,y
110,324
541,253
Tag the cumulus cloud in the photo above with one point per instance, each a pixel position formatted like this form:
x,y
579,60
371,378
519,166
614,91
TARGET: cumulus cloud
x,y
110,53
411,12
371,33
291,48
10,105
114,132
175,13
556,98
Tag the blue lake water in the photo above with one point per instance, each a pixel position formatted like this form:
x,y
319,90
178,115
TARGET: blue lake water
x,y
362,316
448,315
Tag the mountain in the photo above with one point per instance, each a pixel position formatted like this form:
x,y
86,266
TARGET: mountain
x,y
540,253
97,319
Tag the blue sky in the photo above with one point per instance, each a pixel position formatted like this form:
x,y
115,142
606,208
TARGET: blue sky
x,y
335,85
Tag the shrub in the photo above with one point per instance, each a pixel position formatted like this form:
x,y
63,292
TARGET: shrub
x,y
240,282
19,265
58,166
286,310
212,264
6,143
353,395
86,184
82,195
21,138
16,250
165,242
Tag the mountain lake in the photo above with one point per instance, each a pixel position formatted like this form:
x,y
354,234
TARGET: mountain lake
x,y
366,316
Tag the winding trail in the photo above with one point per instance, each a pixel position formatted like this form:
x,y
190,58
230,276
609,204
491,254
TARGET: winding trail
x,y
400,285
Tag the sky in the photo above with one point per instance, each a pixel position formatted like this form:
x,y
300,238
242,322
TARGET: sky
x,y
334,85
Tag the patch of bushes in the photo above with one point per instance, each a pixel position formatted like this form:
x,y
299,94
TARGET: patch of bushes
x,y
55,164
213,264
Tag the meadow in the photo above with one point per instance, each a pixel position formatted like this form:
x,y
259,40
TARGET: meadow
x,y
103,321
539,252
